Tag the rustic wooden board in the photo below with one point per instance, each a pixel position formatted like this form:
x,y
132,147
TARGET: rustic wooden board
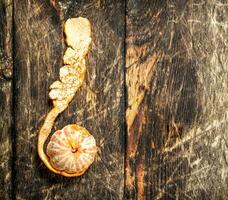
x,y
98,106
177,143
160,123
6,119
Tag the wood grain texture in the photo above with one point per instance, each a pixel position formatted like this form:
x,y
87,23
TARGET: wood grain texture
x,y
6,119
172,95
98,106
177,144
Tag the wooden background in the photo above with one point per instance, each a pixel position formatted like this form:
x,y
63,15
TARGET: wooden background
x,y
155,98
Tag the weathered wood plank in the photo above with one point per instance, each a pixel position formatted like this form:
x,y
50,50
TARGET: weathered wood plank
x,y
6,119
98,105
177,140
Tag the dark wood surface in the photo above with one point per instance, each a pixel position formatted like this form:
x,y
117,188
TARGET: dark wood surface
x,y
6,101
177,145
97,105
155,98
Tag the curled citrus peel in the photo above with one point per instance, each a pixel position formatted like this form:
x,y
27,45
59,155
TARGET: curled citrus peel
x,y
71,150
